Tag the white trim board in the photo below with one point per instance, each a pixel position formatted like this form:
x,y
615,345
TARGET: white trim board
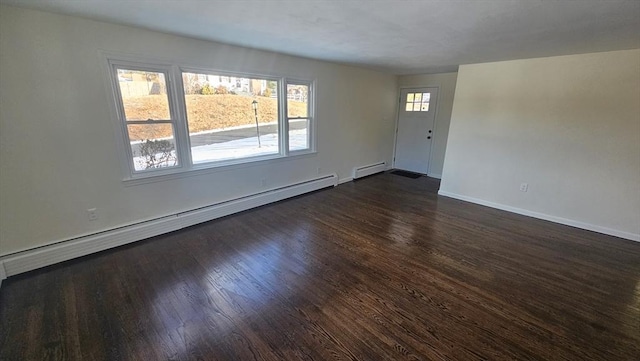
x,y
546,217
68,249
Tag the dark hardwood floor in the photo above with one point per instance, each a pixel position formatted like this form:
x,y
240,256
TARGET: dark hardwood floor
x,y
378,269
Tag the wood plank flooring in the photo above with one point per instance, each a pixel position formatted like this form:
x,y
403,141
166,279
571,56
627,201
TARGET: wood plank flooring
x,y
378,269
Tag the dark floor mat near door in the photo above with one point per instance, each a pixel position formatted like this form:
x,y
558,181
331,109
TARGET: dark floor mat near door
x,y
404,173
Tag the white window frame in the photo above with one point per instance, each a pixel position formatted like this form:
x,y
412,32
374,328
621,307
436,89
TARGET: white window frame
x,y
174,115
226,162
177,107
310,114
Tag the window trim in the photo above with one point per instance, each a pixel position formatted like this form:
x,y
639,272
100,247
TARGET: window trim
x,y
177,107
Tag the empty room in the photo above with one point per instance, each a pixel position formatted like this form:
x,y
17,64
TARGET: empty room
x,y
319,180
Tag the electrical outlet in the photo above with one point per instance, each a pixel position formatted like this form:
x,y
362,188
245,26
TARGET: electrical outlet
x,y
524,187
92,214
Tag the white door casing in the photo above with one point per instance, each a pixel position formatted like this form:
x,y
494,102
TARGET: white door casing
x,y
415,129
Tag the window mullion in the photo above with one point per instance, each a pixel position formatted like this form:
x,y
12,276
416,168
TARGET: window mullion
x,y
173,110
284,127
311,133
182,131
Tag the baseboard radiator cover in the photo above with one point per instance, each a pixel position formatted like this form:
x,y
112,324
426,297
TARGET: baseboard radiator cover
x,y
28,260
368,170
222,209
3,274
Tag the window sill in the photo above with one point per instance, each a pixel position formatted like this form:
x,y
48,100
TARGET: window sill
x,y
203,169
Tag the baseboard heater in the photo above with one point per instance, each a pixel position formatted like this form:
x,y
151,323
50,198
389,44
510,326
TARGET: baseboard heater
x,y
368,170
81,246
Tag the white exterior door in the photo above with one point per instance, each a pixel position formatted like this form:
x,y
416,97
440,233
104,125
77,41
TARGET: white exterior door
x,y
415,129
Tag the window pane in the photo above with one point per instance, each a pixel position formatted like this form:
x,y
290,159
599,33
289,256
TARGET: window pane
x,y
299,134
144,95
418,97
297,100
298,107
426,97
152,146
425,107
410,98
409,107
222,113
416,107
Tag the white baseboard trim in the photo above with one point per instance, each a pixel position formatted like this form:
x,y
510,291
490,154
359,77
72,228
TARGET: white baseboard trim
x,y
546,217
68,249
434,175
345,180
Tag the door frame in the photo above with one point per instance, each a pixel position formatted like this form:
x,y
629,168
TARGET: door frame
x,y
435,121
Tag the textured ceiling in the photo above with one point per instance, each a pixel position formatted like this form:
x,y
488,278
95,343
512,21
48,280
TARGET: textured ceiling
x,y
402,37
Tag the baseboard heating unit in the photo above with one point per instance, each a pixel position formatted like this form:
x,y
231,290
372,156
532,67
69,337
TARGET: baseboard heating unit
x,y
368,170
64,250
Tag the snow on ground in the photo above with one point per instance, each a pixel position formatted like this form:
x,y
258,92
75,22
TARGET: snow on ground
x,y
247,147
240,148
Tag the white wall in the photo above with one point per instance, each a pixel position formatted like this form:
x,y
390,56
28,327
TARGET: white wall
x,y
569,126
58,152
447,84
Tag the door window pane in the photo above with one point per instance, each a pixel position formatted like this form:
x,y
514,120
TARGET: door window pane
x,y
417,102
425,102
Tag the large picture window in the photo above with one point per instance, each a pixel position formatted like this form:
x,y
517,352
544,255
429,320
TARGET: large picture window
x,y
230,117
175,119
